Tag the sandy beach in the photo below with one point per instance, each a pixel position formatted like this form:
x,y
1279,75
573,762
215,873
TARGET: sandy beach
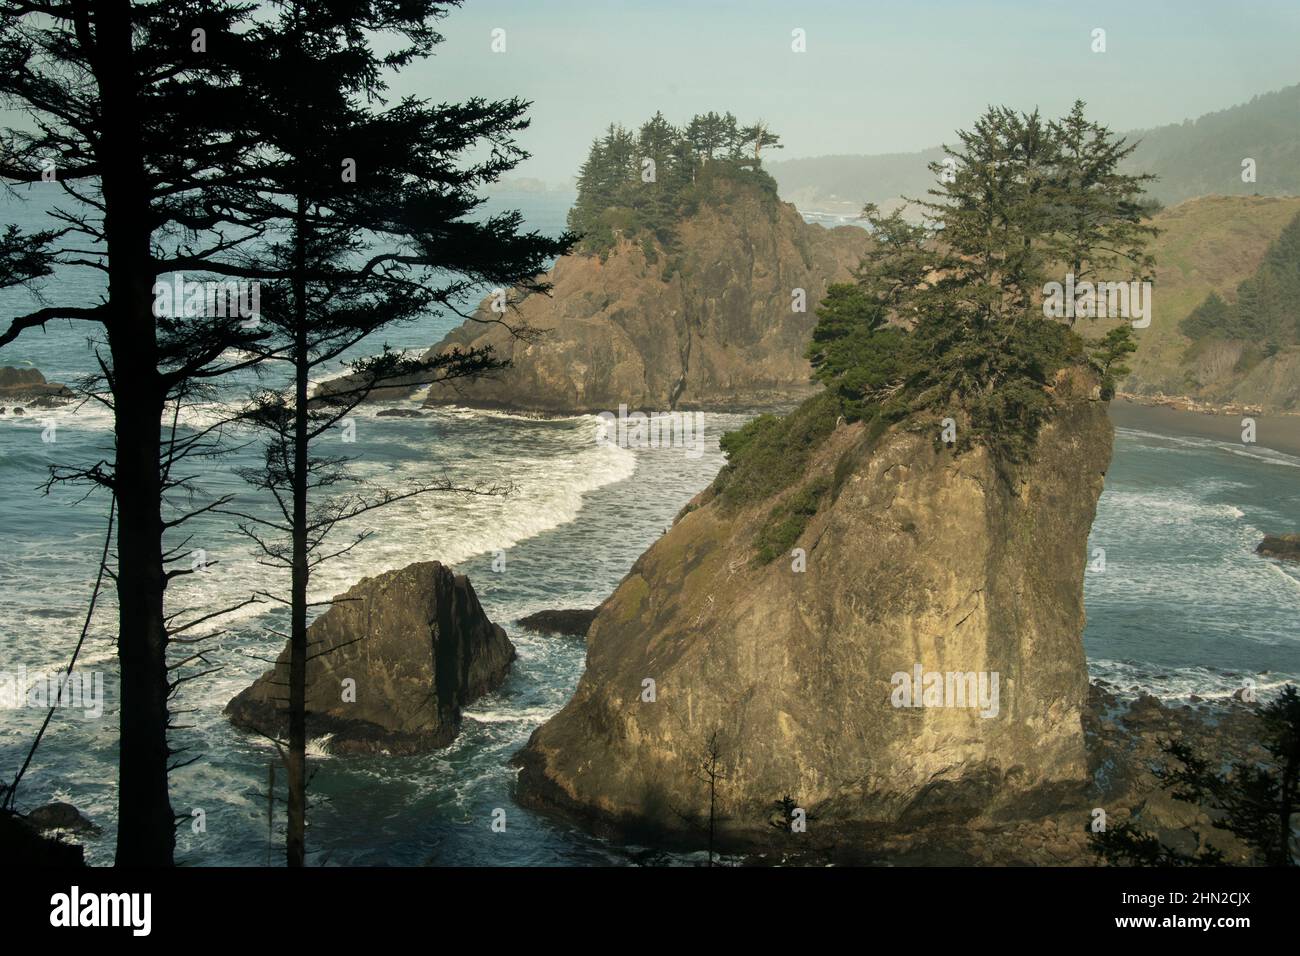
x,y
1278,432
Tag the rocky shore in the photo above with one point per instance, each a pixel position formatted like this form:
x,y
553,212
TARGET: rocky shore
x,y
1184,403
1123,745
24,388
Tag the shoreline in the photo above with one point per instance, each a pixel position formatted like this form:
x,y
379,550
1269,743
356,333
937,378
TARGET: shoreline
x,y
1277,432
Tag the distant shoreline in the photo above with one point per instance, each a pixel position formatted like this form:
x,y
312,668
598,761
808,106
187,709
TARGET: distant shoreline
x,y
1278,432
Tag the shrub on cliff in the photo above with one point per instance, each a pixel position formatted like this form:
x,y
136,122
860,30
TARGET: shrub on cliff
x,y
771,452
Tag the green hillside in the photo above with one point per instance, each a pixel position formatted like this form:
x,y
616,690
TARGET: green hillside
x,y
1205,246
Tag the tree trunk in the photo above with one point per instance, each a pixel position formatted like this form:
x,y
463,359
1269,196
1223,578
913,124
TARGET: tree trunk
x,y
146,834
295,844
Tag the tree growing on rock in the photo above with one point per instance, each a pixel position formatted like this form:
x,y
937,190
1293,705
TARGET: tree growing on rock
x,y
1018,201
414,195
641,183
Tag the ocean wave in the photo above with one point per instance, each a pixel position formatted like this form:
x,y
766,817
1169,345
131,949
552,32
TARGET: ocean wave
x,y
1131,677
1177,443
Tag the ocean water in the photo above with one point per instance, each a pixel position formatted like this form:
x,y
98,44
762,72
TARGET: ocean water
x,y
1183,605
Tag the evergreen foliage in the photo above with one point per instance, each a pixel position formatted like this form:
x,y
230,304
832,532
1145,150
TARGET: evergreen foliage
x,y
945,318
641,183
1255,801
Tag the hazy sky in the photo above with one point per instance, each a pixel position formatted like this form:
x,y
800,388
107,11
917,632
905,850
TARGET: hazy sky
x,y
877,76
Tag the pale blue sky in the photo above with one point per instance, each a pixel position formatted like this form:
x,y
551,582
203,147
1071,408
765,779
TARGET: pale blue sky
x,y
877,76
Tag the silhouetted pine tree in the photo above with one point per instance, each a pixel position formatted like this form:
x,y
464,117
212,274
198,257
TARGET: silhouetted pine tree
x,y
139,127
393,239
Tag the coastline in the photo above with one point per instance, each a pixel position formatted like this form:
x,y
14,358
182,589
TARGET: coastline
x,y
1278,432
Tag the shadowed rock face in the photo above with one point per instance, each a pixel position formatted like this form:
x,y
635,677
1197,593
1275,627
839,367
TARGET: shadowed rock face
x,y
418,646
921,558
709,324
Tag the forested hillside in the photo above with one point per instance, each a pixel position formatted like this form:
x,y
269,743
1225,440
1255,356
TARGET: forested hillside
x,y
1197,157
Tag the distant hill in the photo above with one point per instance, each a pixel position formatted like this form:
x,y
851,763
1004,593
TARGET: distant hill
x,y
1211,245
1198,157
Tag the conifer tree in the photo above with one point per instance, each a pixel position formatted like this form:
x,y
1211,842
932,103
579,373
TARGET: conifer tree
x,y
138,126
412,192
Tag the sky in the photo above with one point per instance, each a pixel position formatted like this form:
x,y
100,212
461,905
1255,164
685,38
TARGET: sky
x,y
876,77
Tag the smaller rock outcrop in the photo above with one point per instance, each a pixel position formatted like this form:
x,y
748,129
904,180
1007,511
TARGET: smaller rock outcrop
x,y
61,816
391,664
572,622
29,385
1285,546
23,845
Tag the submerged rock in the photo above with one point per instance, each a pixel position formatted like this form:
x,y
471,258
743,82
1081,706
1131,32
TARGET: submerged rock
x,y
793,678
393,662
572,622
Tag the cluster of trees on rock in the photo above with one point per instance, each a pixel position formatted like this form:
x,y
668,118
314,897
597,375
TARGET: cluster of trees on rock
x,y
252,142
640,182
946,315
1264,313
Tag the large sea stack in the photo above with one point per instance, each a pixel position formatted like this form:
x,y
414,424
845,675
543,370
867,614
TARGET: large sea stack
x,y
787,681
418,647
719,319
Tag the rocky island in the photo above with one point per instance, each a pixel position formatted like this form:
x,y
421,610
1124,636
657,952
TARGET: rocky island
x,y
912,557
393,661
709,305
1285,546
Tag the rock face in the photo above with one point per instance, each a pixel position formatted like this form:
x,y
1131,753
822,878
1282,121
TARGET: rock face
x,y
708,324
418,646
1286,546
921,558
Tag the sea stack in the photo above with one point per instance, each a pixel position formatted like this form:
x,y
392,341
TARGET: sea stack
x,y
415,645
719,320
913,656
